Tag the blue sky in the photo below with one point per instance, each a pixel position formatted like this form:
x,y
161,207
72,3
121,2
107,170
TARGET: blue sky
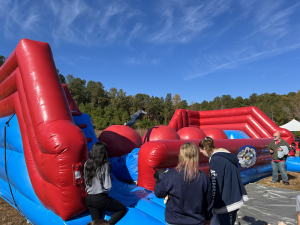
x,y
199,49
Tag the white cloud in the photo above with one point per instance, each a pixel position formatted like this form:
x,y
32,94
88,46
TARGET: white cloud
x,y
135,32
233,59
271,18
141,61
182,21
16,21
270,32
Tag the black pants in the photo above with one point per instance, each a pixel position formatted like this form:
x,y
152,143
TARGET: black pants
x,y
228,218
97,203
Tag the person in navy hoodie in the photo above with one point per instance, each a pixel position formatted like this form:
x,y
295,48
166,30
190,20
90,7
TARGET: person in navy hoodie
x,y
187,188
228,190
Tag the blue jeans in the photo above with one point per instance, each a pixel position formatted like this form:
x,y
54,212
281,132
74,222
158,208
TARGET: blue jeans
x,y
228,218
132,121
281,167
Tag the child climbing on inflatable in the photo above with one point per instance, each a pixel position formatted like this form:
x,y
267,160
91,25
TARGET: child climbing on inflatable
x,y
137,116
98,184
188,188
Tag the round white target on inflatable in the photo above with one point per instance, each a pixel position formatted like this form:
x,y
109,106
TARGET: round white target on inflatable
x,y
247,156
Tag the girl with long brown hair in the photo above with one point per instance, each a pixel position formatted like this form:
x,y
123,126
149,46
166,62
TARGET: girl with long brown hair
x,y
190,198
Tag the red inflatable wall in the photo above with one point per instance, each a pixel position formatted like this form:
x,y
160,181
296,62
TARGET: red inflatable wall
x,y
164,154
251,120
30,87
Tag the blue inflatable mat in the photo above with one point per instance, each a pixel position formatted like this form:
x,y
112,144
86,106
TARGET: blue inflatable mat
x,y
125,168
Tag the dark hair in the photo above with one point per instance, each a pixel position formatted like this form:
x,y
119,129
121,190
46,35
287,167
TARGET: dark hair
x,y
98,222
142,108
293,144
97,159
208,144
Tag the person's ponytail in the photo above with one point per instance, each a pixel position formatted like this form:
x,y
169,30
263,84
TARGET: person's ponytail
x,y
208,145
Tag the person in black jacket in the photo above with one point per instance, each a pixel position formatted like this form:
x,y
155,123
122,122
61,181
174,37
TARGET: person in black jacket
x,y
188,188
228,190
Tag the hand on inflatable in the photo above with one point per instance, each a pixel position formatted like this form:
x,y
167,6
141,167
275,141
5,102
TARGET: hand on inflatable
x,y
158,175
279,149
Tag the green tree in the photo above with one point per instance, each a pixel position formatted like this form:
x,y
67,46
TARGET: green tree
x,y
227,101
77,88
61,77
217,103
204,105
238,102
182,105
168,109
96,94
253,99
2,60
176,100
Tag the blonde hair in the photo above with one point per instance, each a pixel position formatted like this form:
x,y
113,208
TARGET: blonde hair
x,y
189,161
208,145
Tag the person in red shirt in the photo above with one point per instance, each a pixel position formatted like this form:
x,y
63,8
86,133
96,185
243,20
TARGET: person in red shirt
x,y
293,151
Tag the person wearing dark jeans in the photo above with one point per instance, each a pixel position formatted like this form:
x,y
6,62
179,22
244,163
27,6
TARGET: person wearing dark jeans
x,y
97,182
137,116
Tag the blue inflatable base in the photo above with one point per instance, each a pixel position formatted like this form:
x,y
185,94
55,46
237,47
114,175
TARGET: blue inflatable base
x,y
293,164
256,173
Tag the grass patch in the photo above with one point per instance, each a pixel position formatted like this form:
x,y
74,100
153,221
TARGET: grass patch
x,y
294,179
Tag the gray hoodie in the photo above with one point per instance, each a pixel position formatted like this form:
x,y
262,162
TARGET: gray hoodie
x,y
101,182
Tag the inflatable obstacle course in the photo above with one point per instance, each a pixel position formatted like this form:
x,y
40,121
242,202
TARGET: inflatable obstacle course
x,y
47,138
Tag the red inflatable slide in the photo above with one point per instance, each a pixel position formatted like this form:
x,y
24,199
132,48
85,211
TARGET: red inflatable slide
x,y
44,116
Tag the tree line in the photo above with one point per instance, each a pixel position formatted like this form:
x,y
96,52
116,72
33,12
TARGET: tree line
x,y
114,107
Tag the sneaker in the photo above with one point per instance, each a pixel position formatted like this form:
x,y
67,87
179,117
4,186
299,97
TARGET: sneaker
x,y
273,181
286,183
